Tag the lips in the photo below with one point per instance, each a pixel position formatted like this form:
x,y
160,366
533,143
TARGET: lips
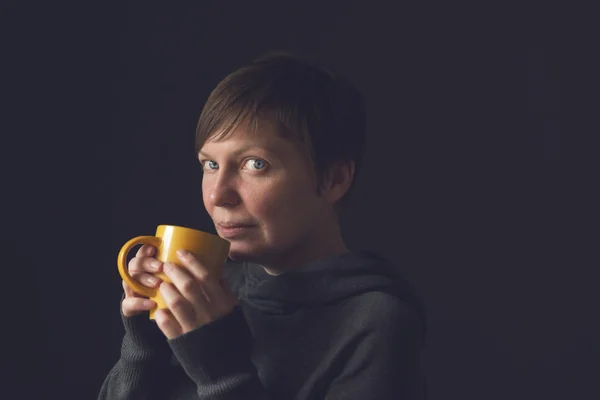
x,y
233,230
230,225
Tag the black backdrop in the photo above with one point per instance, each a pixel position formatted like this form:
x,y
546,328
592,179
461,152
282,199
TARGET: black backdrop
x,y
459,182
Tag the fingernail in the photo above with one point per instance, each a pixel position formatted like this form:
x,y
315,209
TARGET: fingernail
x,y
182,253
155,265
151,280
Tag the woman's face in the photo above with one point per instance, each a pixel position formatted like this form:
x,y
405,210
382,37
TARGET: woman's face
x,y
260,190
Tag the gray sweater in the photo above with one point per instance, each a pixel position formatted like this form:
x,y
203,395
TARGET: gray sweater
x,y
349,327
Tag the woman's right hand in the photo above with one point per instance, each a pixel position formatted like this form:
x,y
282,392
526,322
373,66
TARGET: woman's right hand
x,y
141,268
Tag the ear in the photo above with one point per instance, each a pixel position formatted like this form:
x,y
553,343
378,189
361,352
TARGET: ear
x,y
337,181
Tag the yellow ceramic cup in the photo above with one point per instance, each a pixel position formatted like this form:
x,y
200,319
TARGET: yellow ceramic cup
x,y
210,249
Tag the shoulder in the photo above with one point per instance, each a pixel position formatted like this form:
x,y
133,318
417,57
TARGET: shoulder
x,y
383,314
379,305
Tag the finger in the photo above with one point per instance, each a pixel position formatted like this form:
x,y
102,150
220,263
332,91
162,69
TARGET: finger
x,y
194,265
151,264
210,284
145,251
147,280
144,264
186,284
181,308
144,260
136,305
167,323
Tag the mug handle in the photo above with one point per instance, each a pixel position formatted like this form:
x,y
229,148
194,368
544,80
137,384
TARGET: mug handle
x,y
122,263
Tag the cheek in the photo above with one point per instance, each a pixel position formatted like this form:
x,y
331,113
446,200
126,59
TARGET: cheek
x,y
283,208
206,196
262,203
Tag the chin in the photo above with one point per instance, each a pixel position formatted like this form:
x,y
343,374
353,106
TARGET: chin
x,y
243,252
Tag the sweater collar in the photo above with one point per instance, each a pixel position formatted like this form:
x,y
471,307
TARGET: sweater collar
x,y
326,281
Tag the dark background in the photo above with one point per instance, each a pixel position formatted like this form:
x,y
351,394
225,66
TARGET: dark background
x,y
460,181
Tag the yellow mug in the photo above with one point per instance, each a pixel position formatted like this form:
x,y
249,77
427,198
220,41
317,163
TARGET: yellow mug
x,y
210,249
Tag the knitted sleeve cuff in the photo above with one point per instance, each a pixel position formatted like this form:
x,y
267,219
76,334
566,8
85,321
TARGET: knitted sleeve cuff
x,y
143,340
218,350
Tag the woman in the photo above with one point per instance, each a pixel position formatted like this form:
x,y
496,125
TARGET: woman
x,y
296,315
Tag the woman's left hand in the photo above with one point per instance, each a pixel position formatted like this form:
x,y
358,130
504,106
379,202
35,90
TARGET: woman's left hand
x,y
195,298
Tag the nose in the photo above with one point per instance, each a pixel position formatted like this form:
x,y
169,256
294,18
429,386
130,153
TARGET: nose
x,y
223,192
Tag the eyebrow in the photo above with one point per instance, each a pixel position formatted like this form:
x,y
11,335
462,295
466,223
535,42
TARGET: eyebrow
x,y
240,150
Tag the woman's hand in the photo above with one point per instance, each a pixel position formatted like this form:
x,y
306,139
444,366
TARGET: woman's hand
x,y
196,297
141,268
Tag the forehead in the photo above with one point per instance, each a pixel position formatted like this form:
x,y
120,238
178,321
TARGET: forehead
x,y
264,134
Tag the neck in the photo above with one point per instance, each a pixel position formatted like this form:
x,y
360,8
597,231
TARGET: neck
x,y
321,244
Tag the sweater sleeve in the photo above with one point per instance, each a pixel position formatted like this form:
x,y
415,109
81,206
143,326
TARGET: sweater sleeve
x,y
216,357
383,361
142,369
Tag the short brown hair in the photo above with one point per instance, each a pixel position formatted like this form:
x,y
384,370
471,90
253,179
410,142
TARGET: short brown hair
x,y
309,103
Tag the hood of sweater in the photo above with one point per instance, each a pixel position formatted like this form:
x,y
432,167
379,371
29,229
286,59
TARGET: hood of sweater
x,y
328,281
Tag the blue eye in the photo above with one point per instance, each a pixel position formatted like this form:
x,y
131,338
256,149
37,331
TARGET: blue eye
x,y
210,165
259,164
256,164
